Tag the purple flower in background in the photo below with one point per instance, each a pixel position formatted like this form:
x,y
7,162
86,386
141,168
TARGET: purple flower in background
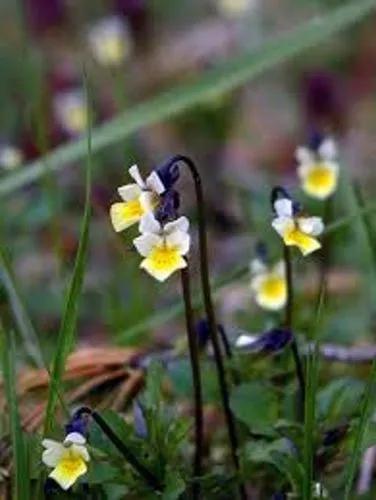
x,y
44,14
272,341
136,14
324,100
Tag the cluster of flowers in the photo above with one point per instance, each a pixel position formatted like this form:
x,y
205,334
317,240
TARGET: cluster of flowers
x,y
318,172
164,239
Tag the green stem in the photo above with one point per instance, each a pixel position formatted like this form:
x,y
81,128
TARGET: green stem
x,y
288,324
196,377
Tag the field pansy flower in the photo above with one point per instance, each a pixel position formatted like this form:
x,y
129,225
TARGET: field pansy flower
x,y
163,246
235,8
67,459
109,41
268,285
296,229
139,198
11,157
318,169
71,111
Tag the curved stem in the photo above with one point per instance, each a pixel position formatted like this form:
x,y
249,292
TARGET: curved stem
x,y
197,387
210,313
288,325
148,476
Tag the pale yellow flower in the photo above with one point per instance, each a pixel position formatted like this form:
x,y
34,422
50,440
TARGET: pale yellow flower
x,y
11,157
163,247
139,198
71,111
297,230
109,41
236,8
268,285
318,170
67,459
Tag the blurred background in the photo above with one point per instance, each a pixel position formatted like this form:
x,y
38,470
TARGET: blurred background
x,y
243,143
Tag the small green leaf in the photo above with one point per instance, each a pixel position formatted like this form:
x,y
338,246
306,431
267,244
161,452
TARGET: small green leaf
x,y
339,399
255,404
175,485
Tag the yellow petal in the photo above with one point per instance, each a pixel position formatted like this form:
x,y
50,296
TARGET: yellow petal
x,y
306,244
320,181
162,262
69,469
125,214
272,293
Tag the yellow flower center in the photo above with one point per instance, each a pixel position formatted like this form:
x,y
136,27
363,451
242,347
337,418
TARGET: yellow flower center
x,y
320,181
70,467
70,464
132,209
164,258
77,118
113,49
273,288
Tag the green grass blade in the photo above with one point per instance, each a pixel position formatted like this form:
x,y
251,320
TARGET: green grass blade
x,y
228,76
365,415
67,329
24,325
21,486
312,369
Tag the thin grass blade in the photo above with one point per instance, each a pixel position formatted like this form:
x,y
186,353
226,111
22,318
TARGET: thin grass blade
x,y
25,327
21,486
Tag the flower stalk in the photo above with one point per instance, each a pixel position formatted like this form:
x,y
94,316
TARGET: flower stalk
x,y
210,312
145,473
196,377
288,325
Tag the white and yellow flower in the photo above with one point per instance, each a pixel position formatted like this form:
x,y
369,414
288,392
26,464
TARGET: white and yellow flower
x,y
71,111
139,198
109,41
235,8
318,170
11,157
295,229
67,459
268,285
164,247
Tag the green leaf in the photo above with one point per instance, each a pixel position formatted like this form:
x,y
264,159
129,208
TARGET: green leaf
x,y
175,485
255,404
19,449
339,399
68,324
230,75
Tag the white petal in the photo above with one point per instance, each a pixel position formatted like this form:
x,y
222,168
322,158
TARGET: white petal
x,y
75,437
258,281
181,224
304,169
146,242
82,451
129,192
257,266
149,224
179,240
304,155
283,207
282,224
135,174
328,149
154,183
245,340
311,225
147,200
52,455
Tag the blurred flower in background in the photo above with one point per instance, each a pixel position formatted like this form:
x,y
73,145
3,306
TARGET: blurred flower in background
x,y
10,156
235,8
44,14
318,169
70,111
109,41
268,284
